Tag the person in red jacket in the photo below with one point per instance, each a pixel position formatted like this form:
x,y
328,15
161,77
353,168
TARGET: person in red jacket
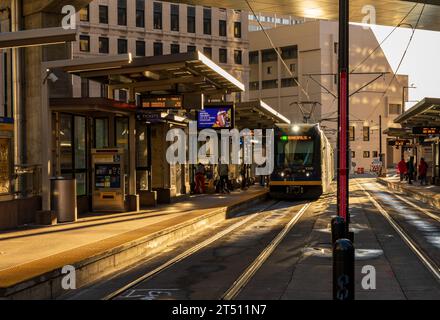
x,y
423,170
402,168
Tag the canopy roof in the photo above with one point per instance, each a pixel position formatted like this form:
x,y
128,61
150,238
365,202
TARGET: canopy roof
x,y
425,113
180,73
258,114
388,12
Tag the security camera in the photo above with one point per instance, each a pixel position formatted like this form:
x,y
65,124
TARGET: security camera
x,y
51,76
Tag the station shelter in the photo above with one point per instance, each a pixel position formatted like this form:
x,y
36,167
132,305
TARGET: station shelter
x,y
420,135
107,145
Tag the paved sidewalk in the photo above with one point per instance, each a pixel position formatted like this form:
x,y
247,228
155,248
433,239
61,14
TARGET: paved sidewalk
x,y
429,194
31,252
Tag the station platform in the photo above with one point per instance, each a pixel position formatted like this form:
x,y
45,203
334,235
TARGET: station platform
x,y
429,194
32,258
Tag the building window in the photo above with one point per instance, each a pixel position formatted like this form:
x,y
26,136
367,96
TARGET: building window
x,y
158,48
336,47
270,84
289,82
253,57
292,67
207,23
122,12
237,29
351,133
269,70
140,13
103,14
84,14
366,154
175,48
191,19
122,46
103,45
254,86
157,19
223,55
140,48
353,154
238,59
289,52
222,28
104,91
123,96
175,17
395,109
366,133
375,154
85,85
84,43
269,55
207,51
191,48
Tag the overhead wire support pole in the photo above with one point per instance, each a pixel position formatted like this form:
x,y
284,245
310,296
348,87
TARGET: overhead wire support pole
x,y
343,113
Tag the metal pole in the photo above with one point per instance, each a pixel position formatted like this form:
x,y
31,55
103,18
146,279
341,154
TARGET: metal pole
x,y
380,138
343,114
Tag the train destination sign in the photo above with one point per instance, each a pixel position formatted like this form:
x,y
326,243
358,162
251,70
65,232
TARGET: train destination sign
x,y
426,130
296,138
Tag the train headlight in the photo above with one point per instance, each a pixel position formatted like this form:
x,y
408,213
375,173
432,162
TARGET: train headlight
x,y
307,174
282,174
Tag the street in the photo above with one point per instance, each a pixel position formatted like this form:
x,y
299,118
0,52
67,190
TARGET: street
x,y
230,260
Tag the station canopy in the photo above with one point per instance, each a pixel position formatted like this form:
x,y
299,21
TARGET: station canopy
x,y
180,73
257,114
426,113
388,12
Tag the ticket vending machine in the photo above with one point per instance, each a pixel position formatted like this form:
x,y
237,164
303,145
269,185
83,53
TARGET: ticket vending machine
x,y
108,180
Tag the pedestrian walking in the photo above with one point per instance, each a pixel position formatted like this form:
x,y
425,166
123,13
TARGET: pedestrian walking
x,y
423,170
402,169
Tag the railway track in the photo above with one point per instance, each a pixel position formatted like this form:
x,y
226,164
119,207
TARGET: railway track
x,y
244,278
423,256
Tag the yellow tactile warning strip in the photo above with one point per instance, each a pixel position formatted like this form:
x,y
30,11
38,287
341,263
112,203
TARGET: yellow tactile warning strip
x,y
30,270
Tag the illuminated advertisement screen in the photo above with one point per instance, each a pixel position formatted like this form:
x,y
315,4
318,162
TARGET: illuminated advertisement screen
x,y
216,117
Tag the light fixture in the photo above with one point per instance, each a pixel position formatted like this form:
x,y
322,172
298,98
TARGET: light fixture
x,y
295,128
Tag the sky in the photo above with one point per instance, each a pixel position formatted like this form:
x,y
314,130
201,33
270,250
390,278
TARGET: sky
x,y
421,63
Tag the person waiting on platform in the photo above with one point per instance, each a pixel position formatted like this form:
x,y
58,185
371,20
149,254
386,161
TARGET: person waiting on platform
x,y
200,178
423,170
411,169
223,172
402,169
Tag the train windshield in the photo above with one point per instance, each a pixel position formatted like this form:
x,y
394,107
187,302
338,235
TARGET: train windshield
x,y
294,153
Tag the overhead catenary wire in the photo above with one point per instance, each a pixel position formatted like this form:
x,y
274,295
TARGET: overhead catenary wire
x,y
385,39
400,62
276,50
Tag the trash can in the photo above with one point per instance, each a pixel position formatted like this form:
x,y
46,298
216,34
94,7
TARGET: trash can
x,y
63,199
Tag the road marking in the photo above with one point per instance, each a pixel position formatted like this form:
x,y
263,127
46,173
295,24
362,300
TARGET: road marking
x,y
425,260
243,280
184,255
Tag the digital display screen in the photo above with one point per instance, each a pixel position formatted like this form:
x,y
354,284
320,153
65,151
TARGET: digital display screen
x,y
216,117
108,176
162,102
426,130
